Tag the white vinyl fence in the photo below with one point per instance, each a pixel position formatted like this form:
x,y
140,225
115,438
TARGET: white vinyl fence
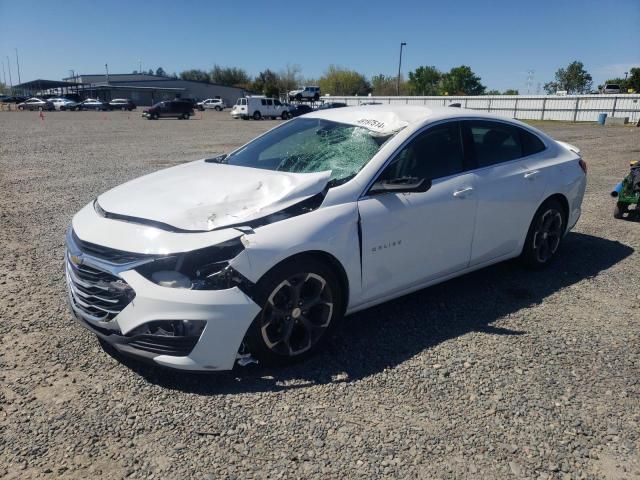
x,y
572,108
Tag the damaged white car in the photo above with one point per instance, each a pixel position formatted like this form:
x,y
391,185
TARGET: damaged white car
x,y
261,252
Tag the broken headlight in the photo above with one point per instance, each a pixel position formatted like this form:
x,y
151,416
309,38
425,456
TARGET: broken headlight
x,y
204,269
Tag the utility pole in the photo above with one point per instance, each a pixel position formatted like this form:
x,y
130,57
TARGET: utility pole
x,y
139,66
402,44
4,75
10,80
18,64
106,69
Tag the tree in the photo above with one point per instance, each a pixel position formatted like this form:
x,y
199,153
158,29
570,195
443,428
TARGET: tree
x,y
231,76
195,74
425,81
160,72
150,72
492,92
574,79
633,81
511,91
289,78
340,81
387,85
135,72
266,83
4,89
462,81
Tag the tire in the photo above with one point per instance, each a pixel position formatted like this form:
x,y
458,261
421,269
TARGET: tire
x,y
298,97
218,109
40,109
284,332
316,97
620,209
257,115
62,109
285,115
154,116
20,108
545,235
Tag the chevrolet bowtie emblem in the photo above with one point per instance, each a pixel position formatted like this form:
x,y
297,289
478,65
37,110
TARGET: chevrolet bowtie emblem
x,y
76,259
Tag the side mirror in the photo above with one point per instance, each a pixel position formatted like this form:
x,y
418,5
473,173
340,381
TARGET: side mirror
x,y
401,185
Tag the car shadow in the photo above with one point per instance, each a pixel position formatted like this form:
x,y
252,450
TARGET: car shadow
x,y
389,334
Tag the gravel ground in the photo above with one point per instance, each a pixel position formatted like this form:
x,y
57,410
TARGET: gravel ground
x,y
503,373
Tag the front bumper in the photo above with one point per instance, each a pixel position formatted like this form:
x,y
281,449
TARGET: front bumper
x,y
227,313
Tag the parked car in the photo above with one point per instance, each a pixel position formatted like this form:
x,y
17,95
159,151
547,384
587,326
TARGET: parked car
x,y
93,104
36,104
258,107
261,252
62,104
328,105
181,109
298,110
122,104
15,99
212,104
305,93
611,88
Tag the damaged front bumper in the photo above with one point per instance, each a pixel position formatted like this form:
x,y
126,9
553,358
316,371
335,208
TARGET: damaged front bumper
x,y
157,324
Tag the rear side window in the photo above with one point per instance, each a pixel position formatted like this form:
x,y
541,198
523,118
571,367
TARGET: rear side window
x,y
269,102
531,144
494,142
263,102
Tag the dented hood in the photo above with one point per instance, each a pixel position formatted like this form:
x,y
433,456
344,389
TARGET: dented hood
x,y
201,196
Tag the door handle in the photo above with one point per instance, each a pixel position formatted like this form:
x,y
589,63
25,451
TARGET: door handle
x,y
463,192
531,175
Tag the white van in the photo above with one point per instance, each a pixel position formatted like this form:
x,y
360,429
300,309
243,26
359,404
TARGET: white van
x,y
258,107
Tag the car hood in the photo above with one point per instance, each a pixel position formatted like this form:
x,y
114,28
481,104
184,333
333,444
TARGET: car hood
x,y
203,196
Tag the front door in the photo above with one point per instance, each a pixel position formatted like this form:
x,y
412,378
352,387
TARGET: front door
x,y
412,238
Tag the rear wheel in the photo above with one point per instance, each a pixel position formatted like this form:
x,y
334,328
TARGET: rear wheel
x,y
620,209
257,115
302,303
545,234
218,109
285,115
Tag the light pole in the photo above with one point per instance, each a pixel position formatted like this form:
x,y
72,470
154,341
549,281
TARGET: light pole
x,y
18,64
402,44
10,79
626,74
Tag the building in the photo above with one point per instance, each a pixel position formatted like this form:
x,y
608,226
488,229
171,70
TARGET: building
x,y
146,89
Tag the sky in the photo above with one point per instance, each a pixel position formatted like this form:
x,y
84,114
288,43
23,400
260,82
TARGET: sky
x,y
500,40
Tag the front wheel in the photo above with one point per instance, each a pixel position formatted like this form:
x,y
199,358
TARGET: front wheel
x,y
545,234
302,303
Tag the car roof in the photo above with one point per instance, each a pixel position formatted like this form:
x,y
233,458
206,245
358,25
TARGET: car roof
x,y
387,119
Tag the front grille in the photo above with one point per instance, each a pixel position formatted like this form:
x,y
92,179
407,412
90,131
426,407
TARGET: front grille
x,y
108,254
97,293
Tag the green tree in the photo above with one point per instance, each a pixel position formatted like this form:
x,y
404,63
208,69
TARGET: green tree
x,y
511,91
160,72
387,85
462,81
4,89
266,83
633,81
195,74
340,81
492,92
231,76
150,72
574,79
425,81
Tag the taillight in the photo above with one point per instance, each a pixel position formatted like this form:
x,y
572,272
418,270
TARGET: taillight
x,y
583,165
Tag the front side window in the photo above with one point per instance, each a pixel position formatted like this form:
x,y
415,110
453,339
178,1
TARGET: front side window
x,y
309,145
270,102
434,153
494,142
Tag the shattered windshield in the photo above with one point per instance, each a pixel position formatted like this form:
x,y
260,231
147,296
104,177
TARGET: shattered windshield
x,y
309,145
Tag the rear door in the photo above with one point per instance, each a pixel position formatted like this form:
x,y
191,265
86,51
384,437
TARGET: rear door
x,y
511,181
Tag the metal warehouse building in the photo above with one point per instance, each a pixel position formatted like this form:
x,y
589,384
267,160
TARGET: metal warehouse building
x,y
146,89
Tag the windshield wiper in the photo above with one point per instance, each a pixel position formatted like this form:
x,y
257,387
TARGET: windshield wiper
x,y
219,159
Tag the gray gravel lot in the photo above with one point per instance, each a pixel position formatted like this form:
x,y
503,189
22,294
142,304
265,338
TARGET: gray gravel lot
x,y
503,373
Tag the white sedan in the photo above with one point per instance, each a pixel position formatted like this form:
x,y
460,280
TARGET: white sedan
x,y
262,252
64,104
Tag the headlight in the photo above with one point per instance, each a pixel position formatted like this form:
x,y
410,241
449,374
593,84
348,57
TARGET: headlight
x,y
204,269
